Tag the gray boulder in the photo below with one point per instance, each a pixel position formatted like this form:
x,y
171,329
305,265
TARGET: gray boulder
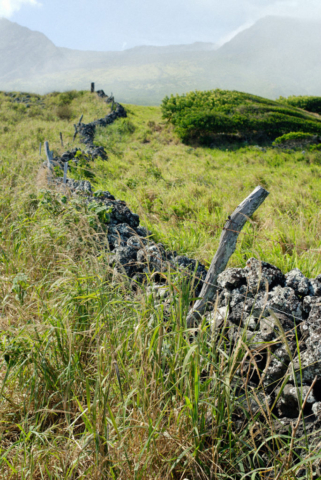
x,y
312,307
292,399
315,287
310,361
231,278
284,300
125,260
277,367
298,282
262,275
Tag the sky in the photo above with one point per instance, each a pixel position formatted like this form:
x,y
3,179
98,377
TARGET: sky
x,y
120,24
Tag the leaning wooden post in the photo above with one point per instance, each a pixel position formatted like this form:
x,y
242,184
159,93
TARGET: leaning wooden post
x,y
61,140
92,87
226,248
65,172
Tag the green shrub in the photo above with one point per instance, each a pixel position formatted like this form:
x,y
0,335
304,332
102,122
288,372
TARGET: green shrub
x,y
124,126
64,112
310,104
66,98
198,115
315,148
294,137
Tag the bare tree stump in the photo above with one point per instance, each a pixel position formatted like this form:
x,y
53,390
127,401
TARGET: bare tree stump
x,y
226,248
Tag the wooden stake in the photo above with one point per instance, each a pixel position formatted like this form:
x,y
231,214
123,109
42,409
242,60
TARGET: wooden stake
x,y
49,155
65,172
226,248
75,134
92,87
61,140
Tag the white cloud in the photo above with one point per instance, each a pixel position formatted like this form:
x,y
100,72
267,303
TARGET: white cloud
x,y
9,7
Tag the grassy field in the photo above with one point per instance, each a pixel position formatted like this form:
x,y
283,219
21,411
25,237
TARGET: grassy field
x,y
92,385
184,194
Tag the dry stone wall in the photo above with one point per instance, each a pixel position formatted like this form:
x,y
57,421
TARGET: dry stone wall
x,y
279,315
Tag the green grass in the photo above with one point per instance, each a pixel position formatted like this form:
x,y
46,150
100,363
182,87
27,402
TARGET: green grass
x,y
99,381
185,194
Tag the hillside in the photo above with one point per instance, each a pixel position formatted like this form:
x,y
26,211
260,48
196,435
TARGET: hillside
x,y
24,53
276,56
100,376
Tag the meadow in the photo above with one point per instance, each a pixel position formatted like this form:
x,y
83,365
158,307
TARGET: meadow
x,y
92,387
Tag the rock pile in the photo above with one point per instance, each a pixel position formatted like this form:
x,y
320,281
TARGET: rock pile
x,y
87,132
132,251
280,316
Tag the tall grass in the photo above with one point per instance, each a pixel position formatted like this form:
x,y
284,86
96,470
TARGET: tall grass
x,y
100,381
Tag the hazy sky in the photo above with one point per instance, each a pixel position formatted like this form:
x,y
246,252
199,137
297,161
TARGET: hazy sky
x,y
119,24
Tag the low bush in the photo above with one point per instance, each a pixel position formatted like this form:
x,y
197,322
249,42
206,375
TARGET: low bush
x,y
315,148
64,112
200,115
66,98
310,104
294,137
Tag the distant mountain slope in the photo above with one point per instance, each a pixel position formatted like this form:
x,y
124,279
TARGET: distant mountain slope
x,y
283,50
23,52
276,56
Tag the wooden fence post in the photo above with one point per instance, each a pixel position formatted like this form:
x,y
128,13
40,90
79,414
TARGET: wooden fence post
x,y
49,155
92,87
226,248
61,140
76,131
65,172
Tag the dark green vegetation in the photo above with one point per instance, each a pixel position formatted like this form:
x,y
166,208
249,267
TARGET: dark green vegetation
x,y
93,385
201,115
298,137
310,104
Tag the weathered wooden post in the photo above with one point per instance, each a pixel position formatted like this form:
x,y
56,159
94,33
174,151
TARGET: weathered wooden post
x,y
61,140
226,248
92,87
49,155
65,172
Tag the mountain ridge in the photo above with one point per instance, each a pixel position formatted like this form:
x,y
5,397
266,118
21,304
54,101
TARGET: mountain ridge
x,y
275,56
